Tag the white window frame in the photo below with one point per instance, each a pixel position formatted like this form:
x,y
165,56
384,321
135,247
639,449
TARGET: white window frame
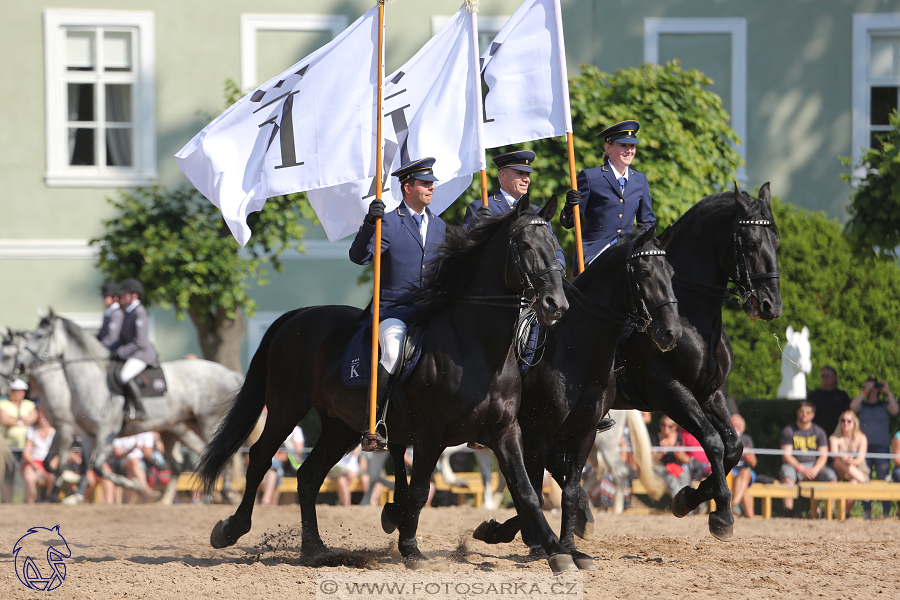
x,y
59,173
252,24
863,27
737,29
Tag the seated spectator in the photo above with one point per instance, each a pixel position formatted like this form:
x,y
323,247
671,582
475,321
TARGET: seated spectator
x,y
128,456
848,438
804,436
875,414
673,464
895,450
289,455
699,464
743,475
38,439
343,474
17,414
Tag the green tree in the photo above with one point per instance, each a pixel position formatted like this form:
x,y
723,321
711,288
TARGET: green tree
x,y
874,224
848,302
686,147
178,245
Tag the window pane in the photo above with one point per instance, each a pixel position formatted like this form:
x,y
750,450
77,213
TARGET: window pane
x,y
81,146
884,102
117,51
119,144
885,59
81,102
118,103
80,50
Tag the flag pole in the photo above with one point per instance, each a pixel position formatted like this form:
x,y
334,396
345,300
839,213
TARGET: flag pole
x,y
369,442
472,7
570,137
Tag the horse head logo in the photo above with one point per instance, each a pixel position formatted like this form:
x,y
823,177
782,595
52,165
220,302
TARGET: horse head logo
x,y
39,557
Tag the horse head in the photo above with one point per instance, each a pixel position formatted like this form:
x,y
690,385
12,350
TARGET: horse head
x,y
45,343
798,351
756,255
533,265
653,276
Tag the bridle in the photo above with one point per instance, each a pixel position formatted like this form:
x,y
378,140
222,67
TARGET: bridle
x,y
742,279
639,314
529,294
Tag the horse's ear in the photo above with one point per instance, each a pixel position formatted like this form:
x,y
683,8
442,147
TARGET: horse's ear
x,y
765,195
645,236
665,237
41,313
741,200
790,332
549,211
523,204
50,314
805,332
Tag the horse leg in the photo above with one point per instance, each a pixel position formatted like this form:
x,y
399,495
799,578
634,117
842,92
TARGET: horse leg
x,y
227,532
172,452
424,462
508,449
104,450
65,434
394,512
576,456
336,440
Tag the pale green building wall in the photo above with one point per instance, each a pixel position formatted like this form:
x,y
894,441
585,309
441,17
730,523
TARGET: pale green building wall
x,y
798,118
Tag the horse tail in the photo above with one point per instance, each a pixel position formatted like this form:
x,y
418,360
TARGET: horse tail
x,y
244,413
640,445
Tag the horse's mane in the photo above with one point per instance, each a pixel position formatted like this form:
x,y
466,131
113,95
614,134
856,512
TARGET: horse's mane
x,y
457,258
87,344
604,259
724,202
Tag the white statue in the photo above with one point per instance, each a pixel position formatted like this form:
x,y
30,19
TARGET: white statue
x,y
795,364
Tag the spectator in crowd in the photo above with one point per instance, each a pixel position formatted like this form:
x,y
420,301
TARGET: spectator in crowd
x,y
292,447
344,473
895,450
673,464
874,420
16,415
848,438
804,436
38,439
743,474
830,401
128,458
699,463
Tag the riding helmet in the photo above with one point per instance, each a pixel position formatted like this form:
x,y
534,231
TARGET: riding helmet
x,y
132,286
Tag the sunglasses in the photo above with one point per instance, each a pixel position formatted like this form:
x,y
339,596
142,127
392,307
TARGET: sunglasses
x,y
806,411
846,420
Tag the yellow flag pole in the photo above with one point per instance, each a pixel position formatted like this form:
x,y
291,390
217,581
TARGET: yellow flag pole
x,y
370,437
484,189
570,142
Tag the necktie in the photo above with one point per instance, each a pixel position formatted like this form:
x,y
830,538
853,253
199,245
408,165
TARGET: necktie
x,y
622,181
418,220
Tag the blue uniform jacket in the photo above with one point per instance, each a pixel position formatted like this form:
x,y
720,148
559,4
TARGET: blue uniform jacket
x,y
403,259
605,212
498,206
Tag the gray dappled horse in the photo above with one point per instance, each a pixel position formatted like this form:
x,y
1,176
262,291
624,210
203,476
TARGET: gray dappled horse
x,y
70,368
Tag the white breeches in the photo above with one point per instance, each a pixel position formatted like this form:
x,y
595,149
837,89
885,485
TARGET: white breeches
x,y
131,369
390,336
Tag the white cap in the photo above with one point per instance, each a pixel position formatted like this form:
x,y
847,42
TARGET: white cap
x,y
18,384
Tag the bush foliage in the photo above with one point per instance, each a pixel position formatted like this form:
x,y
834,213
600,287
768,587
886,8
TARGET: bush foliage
x,y
848,302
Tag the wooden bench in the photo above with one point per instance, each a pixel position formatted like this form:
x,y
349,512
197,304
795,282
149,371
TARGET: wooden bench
x,y
842,491
767,491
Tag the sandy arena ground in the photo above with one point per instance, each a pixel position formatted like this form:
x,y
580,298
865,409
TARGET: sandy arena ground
x,y
158,552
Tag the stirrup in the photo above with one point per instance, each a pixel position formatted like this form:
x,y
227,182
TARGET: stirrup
x,y
605,425
373,442
476,446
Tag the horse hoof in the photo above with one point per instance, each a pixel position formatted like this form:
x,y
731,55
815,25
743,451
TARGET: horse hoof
x,y
218,539
312,547
584,529
483,531
391,515
584,562
680,506
537,552
560,563
720,529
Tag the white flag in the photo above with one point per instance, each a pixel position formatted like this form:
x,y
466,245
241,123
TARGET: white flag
x,y
524,78
310,127
432,107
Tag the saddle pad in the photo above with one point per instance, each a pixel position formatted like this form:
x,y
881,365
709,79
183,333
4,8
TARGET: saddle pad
x,y
356,366
151,381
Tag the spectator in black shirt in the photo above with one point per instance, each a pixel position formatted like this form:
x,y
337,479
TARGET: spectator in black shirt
x,y
830,401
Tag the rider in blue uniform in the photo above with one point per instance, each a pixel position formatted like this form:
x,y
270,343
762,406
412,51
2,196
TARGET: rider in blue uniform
x,y
515,177
134,346
610,197
410,235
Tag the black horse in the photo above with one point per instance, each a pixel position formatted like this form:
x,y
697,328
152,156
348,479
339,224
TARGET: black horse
x,y
726,237
465,386
563,395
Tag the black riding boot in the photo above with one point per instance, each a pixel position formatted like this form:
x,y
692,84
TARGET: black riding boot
x,y
134,406
605,424
375,441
